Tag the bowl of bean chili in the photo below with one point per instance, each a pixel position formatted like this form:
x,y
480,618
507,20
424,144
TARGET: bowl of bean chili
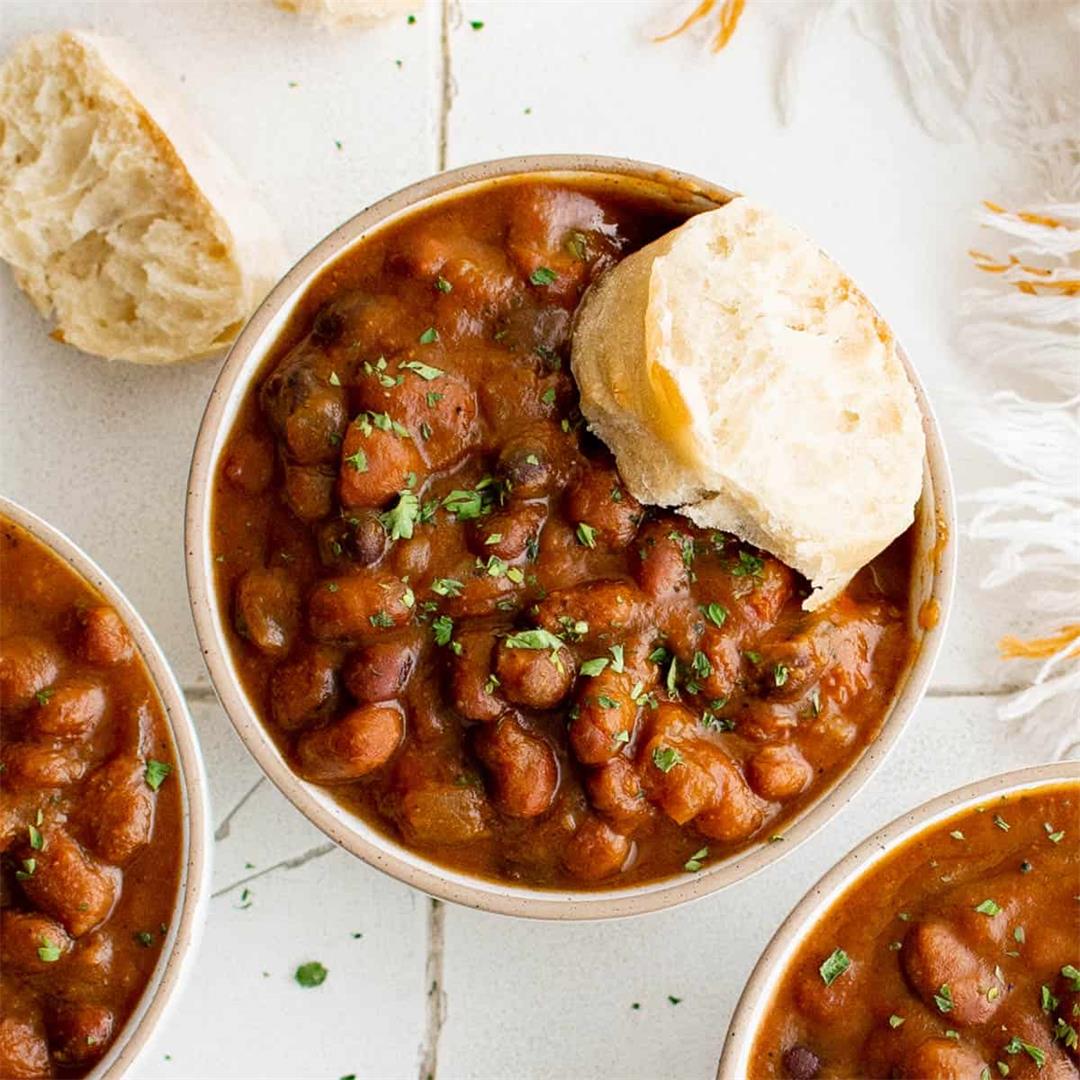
x,y
104,842
944,945
449,633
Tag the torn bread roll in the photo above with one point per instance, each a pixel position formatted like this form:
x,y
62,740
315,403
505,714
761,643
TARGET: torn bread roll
x,y
121,220
738,374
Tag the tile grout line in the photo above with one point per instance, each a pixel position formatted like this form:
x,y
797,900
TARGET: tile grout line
x,y
446,89
222,831
293,863
436,994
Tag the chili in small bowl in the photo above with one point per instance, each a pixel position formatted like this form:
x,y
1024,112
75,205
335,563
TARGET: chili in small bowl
x,y
104,838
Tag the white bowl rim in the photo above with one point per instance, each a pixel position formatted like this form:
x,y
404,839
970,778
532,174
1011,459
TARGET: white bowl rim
x,y
181,944
379,850
844,875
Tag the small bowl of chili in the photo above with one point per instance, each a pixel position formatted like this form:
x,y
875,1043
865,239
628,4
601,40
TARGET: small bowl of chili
x,y
943,945
449,633
105,838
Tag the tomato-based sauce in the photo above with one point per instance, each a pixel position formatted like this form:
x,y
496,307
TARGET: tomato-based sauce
x,y
446,606
958,955
90,817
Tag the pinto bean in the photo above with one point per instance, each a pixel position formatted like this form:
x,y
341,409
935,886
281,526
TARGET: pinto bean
x,y
616,793
36,765
934,955
605,718
30,942
472,686
356,540
122,820
436,813
533,463
441,414
309,491
70,710
352,746
595,851
381,670
71,885
522,767
606,610
779,772
303,689
104,639
941,1058
535,678
598,499
346,608
376,465
24,1052
28,666
249,463
266,610
304,409
660,566
79,1032
508,533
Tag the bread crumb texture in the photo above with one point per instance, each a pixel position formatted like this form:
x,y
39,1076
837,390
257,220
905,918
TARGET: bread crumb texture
x,y
122,221
738,374
335,13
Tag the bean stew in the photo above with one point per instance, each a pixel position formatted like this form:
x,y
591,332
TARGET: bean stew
x,y
91,832
445,605
958,955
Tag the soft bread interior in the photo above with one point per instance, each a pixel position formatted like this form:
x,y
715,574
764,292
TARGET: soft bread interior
x,y
127,226
738,374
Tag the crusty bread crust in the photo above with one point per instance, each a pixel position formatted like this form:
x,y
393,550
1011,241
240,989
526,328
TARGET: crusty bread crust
x,y
120,218
739,375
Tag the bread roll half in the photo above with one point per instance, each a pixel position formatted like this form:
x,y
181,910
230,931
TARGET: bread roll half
x,y
119,218
738,374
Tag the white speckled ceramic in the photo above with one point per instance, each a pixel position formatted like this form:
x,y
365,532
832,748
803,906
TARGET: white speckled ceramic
x,y
189,914
935,564
734,1061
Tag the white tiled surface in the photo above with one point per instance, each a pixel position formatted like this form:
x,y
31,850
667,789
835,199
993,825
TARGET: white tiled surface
x,y
102,451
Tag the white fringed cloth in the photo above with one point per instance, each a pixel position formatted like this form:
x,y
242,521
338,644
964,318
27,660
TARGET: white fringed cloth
x,y
1006,72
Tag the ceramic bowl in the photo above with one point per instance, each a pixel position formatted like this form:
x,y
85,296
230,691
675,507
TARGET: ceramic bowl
x,y
770,968
185,928
932,589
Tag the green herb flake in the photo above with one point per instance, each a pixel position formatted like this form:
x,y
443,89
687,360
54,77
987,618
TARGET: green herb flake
x,y
1016,1045
586,534
42,696
1073,975
943,999
425,371
429,336
155,773
542,275
548,396
144,938
401,518
443,628
617,661
443,285
311,974
665,758
476,24
594,666
673,999
696,861
988,907
48,951
37,841
780,674
956,834
716,614
895,1021
1001,823
748,565
833,966
446,587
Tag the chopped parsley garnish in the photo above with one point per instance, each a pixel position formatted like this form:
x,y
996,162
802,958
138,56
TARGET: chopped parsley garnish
x,y
665,758
155,773
716,614
548,396
443,285
1073,975
425,371
606,702
696,861
780,674
956,834
357,461
37,841
748,565
443,628
533,639
333,380
402,516
586,534
943,999
466,505
42,696
616,658
381,618
700,665
577,243
28,868
1054,836
1047,1001
446,586
673,999
895,1021
48,952
1065,1033
988,907
834,966
429,336
542,276
144,937
311,974
1017,1045
1001,823
594,666
476,24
